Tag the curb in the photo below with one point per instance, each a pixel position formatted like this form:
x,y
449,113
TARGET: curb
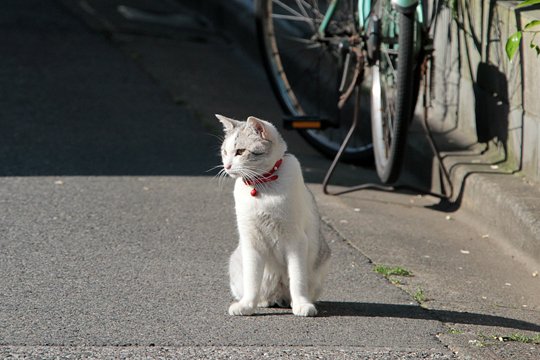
x,y
509,206
501,202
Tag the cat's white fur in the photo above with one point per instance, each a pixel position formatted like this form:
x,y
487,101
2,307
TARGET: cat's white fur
x,y
281,258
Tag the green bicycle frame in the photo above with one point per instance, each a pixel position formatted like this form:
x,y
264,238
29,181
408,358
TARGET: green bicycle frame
x,y
327,17
364,8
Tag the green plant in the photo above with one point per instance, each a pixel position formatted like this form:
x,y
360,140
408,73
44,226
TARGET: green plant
x,y
515,337
520,338
420,296
513,42
387,271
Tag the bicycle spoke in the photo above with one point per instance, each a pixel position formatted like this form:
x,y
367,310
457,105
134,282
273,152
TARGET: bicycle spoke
x,y
288,8
293,18
314,9
311,44
301,8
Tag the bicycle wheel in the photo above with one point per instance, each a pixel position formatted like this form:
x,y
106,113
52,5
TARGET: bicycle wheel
x,y
309,71
394,86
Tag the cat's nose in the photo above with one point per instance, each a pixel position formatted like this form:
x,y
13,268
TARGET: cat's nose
x,y
228,166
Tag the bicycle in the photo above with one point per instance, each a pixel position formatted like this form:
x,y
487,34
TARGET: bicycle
x,y
318,53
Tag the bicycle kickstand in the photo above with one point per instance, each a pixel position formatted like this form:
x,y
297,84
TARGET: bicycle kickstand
x,y
445,195
335,162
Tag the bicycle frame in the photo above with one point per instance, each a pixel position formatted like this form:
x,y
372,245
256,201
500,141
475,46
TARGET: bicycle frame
x,y
364,8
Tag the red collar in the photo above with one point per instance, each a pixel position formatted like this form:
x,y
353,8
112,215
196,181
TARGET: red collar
x,y
264,178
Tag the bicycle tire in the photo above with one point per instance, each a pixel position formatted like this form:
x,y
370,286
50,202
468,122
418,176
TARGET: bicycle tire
x,y
394,90
284,64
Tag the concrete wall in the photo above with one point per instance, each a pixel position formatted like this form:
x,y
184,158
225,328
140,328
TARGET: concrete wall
x,y
478,92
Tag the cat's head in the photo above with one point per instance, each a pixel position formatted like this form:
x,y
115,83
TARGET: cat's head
x,y
250,148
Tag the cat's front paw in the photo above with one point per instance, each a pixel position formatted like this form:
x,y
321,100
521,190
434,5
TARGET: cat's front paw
x,y
238,308
305,309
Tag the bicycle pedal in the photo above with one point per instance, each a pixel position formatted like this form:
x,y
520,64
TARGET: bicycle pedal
x,y
306,122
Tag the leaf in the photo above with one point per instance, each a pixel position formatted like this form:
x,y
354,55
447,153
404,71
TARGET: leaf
x,y
512,44
531,24
528,3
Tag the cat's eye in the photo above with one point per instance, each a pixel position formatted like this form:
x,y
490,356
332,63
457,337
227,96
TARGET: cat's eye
x,y
240,152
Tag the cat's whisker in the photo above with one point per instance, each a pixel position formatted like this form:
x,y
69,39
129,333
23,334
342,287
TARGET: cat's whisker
x,y
222,175
264,186
214,167
218,173
253,172
219,137
250,175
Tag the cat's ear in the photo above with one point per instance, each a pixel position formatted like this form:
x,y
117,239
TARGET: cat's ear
x,y
228,123
259,126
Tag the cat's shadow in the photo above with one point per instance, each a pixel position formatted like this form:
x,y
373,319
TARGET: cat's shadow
x,y
341,308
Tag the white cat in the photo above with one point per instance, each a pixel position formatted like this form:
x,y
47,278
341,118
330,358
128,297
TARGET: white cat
x,y
281,258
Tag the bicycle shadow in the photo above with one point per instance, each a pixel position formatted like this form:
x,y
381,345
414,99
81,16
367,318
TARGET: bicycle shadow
x,y
344,308
488,97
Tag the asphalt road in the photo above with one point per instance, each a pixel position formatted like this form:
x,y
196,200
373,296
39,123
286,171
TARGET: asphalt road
x,y
114,237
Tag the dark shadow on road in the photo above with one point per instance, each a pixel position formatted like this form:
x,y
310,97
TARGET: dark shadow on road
x,y
339,308
83,107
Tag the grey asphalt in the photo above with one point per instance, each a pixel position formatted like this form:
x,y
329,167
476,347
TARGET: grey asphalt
x,y
114,238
